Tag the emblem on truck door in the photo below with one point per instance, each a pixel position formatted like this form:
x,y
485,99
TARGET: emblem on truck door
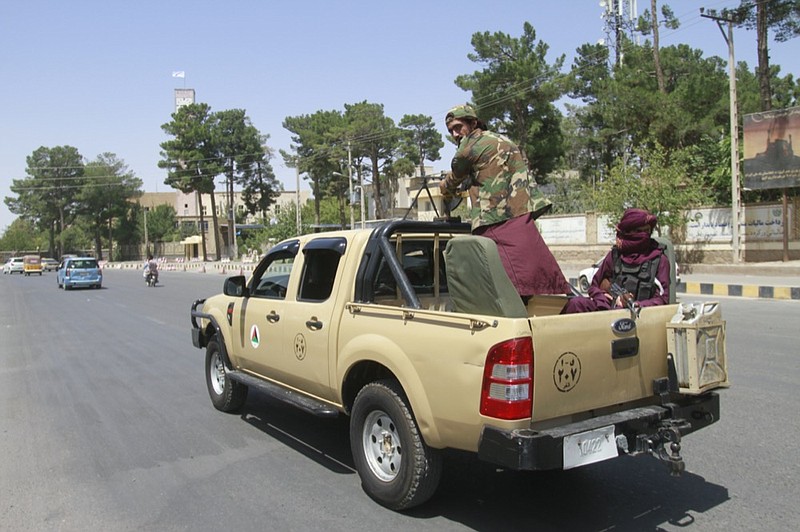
x,y
300,346
255,336
567,371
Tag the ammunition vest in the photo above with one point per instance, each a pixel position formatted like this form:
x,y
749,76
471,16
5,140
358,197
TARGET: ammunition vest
x,y
638,279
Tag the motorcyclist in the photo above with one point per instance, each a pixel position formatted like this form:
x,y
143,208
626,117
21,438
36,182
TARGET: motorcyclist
x,y
151,269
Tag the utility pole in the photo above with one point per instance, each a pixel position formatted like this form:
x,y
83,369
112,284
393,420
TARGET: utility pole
x,y
146,239
736,195
297,195
350,185
234,253
361,192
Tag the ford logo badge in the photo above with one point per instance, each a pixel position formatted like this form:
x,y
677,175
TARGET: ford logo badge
x,y
623,326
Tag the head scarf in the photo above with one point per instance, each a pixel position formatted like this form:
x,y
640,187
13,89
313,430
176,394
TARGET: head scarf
x,y
633,236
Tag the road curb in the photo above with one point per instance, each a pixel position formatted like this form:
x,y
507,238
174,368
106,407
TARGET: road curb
x,y
732,290
740,290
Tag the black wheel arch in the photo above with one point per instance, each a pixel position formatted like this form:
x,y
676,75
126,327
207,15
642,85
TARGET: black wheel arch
x,y
211,330
360,375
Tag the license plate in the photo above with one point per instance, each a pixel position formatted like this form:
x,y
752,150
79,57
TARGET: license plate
x,y
589,447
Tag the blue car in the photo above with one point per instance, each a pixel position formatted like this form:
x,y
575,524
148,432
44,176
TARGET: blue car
x,y
79,271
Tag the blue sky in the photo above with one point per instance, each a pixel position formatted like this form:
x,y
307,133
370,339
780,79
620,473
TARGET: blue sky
x,y
97,75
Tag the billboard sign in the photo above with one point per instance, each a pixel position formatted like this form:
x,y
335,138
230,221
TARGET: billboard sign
x,y
770,160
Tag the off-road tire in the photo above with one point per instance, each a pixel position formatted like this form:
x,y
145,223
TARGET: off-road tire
x,y
397,469
226,395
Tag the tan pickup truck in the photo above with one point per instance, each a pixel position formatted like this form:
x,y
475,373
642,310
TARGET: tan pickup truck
x,y
415,332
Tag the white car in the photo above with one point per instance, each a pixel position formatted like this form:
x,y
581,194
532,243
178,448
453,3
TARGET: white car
x,y
586,275
14,265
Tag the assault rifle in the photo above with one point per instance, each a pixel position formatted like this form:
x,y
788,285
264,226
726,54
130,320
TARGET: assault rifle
x,y
627,298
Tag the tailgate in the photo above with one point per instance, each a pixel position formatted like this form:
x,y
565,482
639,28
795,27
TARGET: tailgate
x,y
582,363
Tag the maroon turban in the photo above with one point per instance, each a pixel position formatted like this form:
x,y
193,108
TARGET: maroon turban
x,y
633,236
634,219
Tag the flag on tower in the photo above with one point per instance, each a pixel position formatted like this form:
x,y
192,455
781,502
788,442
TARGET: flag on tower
x,y
178,74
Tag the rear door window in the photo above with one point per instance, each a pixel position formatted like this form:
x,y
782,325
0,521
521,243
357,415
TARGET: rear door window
x,y
83,264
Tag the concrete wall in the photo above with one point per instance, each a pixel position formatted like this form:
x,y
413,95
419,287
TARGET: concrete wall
x,y
705,239
584,238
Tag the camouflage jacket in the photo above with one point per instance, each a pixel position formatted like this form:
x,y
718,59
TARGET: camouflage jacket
x,y
496,166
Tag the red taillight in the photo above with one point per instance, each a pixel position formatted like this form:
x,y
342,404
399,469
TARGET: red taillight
x,y
507,391
67,272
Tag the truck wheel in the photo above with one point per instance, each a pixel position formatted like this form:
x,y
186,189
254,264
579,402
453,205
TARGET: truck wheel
x,y
397,468
226,395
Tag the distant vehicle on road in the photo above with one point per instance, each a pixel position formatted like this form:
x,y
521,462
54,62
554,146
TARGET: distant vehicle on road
x,y
49,264
79,271
14,265
31,264
586,275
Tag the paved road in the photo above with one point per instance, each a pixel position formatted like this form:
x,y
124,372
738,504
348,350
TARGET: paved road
x,y
106,425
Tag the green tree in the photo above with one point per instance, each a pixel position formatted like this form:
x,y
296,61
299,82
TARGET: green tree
x,y
420,140
318,151
652,180
261,189
592,143
161,223
648,24
282,225
48,195
106,194
240,148
77,237
515,94
21,235
191,159
375,138
783,17
627,113
129,231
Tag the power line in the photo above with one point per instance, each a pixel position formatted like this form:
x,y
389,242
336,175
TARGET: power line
x,y
513,91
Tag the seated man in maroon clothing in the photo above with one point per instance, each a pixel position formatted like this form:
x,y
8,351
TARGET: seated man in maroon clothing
x,y
637,263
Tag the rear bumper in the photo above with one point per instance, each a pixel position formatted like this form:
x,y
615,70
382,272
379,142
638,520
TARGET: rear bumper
x,y
83,281
526,449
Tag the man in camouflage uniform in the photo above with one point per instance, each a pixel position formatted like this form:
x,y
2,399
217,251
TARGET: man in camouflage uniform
x,y
505,204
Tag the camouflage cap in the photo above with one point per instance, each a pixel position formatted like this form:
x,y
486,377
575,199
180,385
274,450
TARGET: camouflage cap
x,y
462,111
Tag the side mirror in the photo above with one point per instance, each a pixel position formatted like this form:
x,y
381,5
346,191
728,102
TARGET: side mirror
x,y
235,286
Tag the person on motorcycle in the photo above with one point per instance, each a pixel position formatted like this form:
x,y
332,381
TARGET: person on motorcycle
x,y
151,270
